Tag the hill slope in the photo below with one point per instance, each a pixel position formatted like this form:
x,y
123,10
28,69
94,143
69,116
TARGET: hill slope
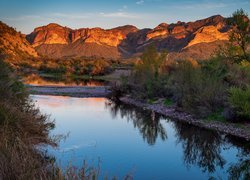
x,y
13,45
180,38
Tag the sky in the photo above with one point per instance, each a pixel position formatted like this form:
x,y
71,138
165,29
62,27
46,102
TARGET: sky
x,y
25,15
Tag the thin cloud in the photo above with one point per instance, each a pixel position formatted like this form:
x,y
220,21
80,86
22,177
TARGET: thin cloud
x,y
119,15
124,7
206,5
71,16
25,17
140,2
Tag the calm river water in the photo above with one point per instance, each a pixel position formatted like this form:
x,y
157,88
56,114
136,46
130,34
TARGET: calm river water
x,y
127,140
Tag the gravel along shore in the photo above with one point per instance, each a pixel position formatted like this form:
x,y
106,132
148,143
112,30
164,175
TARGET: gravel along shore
x,y
73,91
228,128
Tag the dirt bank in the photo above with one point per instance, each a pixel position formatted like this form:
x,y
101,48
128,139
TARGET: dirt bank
x,y
73,91
228,128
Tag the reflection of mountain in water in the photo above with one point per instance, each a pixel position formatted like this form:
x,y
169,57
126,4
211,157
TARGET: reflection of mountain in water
x,y
201,147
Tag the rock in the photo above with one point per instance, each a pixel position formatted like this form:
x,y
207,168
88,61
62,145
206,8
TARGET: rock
x,y
57,41
208,34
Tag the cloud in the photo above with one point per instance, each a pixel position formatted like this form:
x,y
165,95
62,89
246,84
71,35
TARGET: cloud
x,y
205,5
140,2
70,16
124,7
119,15
24,18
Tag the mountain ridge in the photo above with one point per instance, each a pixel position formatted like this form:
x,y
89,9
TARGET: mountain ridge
x,y
56,41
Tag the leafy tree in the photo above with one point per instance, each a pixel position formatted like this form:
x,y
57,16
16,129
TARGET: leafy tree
x,y
151,62
148,71
241,31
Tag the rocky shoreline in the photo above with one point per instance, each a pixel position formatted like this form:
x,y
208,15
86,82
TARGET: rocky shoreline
x,y
171,112
72,91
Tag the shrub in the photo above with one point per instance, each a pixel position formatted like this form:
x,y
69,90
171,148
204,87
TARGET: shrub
x,y
196,90
239,99
22,128
239,75
147,79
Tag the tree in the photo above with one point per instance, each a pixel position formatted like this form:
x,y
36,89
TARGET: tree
x,y
241,30
151,62
148,72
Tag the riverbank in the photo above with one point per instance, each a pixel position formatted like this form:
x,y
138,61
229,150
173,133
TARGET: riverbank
x,y
234,129
72,91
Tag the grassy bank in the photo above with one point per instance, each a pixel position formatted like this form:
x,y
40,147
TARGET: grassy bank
x,y
24,133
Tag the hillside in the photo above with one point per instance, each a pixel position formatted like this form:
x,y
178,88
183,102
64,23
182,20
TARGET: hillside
x,y
179,39
13,45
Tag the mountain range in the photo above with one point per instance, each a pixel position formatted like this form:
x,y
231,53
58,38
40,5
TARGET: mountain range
x,y
197,40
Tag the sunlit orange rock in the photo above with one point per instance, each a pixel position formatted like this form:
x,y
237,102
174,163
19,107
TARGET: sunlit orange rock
x,y
13,43
127,41
50,34
208,34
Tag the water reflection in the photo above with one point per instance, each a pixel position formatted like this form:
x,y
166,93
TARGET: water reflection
x,y
240,169
201,147
148,123
162,148
37,80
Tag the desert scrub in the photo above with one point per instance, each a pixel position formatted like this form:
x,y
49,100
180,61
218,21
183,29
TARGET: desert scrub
x,y
22,129
239,100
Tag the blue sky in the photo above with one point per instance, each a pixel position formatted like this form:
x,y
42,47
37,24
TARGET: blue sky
x,y
25,15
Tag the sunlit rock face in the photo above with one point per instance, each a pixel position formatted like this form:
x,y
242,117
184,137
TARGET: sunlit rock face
x,y
111,37
56,41
13,44
208,34
160,30
56,34
50,34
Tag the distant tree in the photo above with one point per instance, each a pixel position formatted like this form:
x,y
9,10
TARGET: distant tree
x,y
148,72
241,30
151,62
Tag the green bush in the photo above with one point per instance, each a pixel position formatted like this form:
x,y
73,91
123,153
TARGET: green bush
x,y
168,102
196,90
239,75
239,100
147,79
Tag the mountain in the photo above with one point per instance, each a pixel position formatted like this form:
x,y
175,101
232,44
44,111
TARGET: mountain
x,y
193,39
13,44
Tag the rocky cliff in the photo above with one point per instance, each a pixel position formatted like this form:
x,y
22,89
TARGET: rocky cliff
x,y
56,41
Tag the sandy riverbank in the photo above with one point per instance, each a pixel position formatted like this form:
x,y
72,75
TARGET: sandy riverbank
x,y
73,91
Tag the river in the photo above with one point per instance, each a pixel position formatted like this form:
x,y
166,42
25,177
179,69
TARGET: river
x,y
125,140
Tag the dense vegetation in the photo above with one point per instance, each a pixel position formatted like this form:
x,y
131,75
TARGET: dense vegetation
x,y
22,128
70,67
215,89
24,131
